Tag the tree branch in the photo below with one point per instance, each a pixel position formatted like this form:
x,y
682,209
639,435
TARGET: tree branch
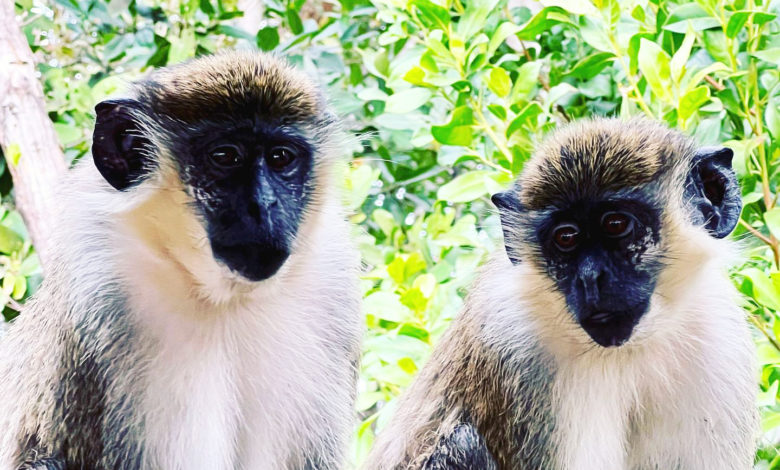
x,y
27,132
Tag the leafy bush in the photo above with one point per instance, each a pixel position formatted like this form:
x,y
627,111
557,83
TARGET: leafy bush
x,y
449,98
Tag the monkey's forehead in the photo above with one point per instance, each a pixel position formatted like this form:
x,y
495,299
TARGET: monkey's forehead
x,y
590,157
233,84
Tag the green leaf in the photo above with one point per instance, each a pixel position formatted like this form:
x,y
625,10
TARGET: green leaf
x,y
20,287
499,82
426,283
738,20
415,76
407,100
769,397
770,422
593,32
385,220
772,219
527,116
358,184
539,23
590,66
267,38
234,32
503,31
497,111
387,306
428,62
692,101
396,269
576,7
431,15
710,69
772,117
67,133
458,131
527,78
654,64
466,187
10,241
294,21
407,365
771,55
474,17
680,58
763,289
690,15
182,48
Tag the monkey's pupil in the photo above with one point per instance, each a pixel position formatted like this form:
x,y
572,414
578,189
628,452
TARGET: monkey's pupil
x,y
615,224
226,157
566,237
280,158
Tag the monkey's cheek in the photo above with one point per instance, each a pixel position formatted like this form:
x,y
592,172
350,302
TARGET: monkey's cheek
x,y
253,261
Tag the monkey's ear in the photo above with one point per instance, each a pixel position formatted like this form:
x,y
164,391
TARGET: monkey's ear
x,y
713,192
509,206
118,146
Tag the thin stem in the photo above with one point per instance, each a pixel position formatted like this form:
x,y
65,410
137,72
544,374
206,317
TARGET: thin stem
x,y
499,143
755,232
633,84
763,330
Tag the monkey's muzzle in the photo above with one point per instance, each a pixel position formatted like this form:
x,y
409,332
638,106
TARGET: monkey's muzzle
x,y
609,329
253,261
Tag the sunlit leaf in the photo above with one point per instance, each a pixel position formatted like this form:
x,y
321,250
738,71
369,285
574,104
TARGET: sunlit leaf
x,y
458,131
654,64
499,82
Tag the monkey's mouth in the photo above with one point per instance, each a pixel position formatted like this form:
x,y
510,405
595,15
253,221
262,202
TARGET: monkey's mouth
x,y
610,329
253,261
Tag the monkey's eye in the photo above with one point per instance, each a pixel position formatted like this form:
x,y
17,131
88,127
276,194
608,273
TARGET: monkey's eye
x,y
616,224
279,157
566,237
226,156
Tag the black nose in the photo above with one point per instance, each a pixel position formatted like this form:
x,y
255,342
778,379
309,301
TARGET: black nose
x,y
609,328
253,261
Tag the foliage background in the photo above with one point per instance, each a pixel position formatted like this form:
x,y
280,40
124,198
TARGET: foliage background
x,y
448,98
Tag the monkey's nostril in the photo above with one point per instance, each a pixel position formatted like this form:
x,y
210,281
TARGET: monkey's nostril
x,y
601,317
254,210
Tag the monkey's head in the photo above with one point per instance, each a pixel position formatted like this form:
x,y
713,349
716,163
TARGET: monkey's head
x,y
598,207
244,134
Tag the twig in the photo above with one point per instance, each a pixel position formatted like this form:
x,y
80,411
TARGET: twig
x,y
761,328
755,232
714,83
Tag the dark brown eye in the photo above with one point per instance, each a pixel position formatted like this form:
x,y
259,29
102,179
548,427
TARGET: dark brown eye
x,y
227,156
280,157
616,224
566,237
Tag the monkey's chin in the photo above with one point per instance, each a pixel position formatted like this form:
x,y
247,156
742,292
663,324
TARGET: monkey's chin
x,y
610,329
253,261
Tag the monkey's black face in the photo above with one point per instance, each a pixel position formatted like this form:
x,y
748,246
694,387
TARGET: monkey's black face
x,y
600,255
251,184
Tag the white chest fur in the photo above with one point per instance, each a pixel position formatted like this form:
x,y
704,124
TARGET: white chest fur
x,y
685,401
231,392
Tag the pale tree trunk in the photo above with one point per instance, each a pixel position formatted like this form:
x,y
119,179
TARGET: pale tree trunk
x,y
27,132
253,15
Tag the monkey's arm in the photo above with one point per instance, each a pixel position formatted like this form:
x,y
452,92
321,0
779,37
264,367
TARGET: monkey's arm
x,y
462,449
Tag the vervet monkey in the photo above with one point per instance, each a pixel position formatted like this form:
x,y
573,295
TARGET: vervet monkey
x,y
202,311
609,338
